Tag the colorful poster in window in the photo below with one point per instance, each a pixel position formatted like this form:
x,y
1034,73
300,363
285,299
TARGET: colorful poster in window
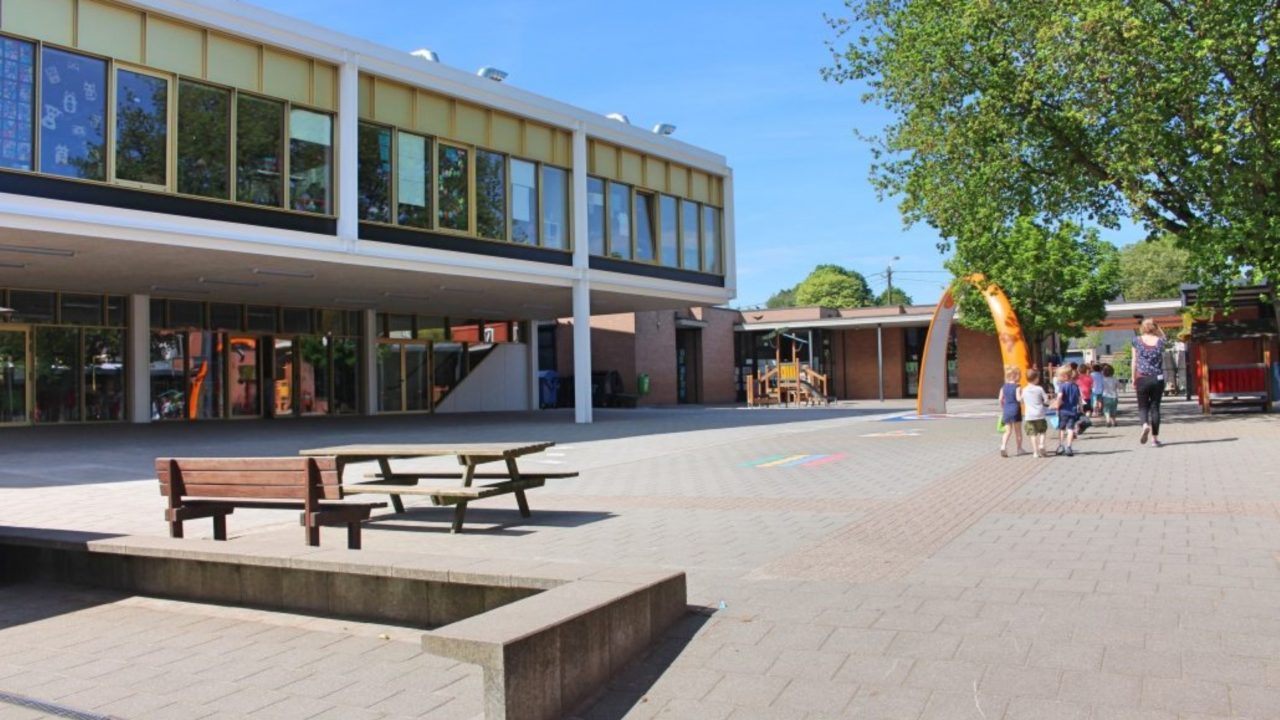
x,y
17,103
73,96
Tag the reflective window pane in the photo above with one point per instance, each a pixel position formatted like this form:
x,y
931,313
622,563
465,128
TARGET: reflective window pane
x,y
204,140
645,250
30,306
284,367
17,103
413,181
390,378
261,318
104,375
447,369
57,371
81,309
345,377
245,385
186,313
313,374
669,241
226,316
14,376
491,195
142,128
619,221
690,239
595,215
373,177
417,385
168,375
115,310
710,239
206,399
555,208
524,202
310,161
259,147
452,205
73,135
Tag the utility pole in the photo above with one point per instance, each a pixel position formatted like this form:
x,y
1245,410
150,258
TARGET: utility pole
x,y
888,276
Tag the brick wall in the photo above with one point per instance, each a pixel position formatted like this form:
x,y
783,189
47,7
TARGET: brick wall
x,y
655,354
718,383
979,367
856,364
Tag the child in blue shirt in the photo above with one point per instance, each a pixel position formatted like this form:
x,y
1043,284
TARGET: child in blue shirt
x,y
1068,406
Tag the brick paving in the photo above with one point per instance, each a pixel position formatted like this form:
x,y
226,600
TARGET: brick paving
x,y
919,576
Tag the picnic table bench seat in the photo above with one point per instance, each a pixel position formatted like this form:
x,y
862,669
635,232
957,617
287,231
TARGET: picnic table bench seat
x,y
215,487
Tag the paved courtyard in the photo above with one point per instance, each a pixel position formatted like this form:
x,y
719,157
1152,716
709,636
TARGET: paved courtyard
x,y
852,562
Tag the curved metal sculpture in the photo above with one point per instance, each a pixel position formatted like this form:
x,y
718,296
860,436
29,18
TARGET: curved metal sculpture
x,y
931,392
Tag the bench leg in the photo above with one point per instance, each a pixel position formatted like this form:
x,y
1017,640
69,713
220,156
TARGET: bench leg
x,y
397,503
353,535
220,526
175,528
523,503
313,535
459,513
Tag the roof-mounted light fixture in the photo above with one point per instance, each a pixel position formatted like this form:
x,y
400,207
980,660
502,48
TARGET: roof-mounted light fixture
x,y
425,54
664,128
492,73
619,117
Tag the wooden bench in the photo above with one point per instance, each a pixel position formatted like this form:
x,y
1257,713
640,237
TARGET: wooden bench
x,y
215,487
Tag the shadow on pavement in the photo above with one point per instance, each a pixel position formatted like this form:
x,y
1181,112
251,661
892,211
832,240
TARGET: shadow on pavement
x,y
488,521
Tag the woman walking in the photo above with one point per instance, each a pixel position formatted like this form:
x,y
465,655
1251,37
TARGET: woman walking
x,y
1147,361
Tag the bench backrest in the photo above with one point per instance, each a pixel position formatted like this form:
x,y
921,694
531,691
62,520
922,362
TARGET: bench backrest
x,y
299,478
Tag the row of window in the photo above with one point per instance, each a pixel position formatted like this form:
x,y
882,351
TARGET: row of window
x,y
632,224
197,315
53,308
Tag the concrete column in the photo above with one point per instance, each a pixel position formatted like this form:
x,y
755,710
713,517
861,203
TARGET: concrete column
x,y
369,362
348,140
531,344
138,358
582,283
880,358
728,253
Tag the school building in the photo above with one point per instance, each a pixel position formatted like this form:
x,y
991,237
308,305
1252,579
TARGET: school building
x,y
211,211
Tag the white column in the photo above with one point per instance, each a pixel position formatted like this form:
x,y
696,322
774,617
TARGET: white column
x,y
729,252
348,140
581,283
138,340
880,358
368,362
535,386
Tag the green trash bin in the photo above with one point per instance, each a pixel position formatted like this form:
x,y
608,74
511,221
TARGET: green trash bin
x,y
642,384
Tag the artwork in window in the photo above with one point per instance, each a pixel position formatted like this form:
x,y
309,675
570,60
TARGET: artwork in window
x,y
373,176
710,239
669,239
491,195
259,146
73,115
524,202
17,103
619,221
596,220
142,128
204,140
555,208
690,239
310,160
413,178
645,251
453,188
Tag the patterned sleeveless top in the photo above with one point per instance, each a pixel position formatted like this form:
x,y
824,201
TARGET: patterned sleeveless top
x,y
1150,358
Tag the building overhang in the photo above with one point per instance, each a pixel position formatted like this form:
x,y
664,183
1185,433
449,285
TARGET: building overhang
x,y
839,323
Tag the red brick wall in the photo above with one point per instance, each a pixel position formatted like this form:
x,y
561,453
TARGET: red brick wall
x,y
655,354
856,364
718,385
979,366
612,346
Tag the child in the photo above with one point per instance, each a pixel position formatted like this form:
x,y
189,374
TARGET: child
x,y
1010,409
1036,402
1110,394
1084,381
1098,381
1068,406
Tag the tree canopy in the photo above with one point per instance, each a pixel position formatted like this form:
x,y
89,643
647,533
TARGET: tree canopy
x,y
1154,269
1057,280
898,297
827,286
1164,111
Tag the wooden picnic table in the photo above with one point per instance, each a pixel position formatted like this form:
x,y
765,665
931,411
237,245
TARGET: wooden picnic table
x,y
470,456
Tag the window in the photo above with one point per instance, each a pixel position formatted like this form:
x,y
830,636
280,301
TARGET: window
x,y
142,128
453,188
259,145
619,221
373,177
204,140
669,252
73,136
81,309
595,215
17,103
524,202
710,240
555,208
491,195
310,161
689,238
645,249
413,181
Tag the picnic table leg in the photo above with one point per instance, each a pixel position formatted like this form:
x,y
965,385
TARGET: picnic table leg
x,y
460,510
384,465
521,501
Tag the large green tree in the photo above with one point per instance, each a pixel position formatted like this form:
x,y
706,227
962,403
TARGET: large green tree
x,y
1058,280
896,296
1153,269
1164,111
834,287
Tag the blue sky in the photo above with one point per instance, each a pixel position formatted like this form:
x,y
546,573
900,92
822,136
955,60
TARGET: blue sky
x,y
738,78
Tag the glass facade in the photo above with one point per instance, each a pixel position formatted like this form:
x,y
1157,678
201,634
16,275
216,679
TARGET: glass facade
x,y
310,161
142,128
259,147
596,220
524,202
454,188
73,116
491,195
646,251
619,208
690,238
669,236
374,173
555,208
413,180
710,240
204,140
17,112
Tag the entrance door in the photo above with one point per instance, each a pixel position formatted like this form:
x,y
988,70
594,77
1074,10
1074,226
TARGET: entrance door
x,y
283,372
15,354
688,364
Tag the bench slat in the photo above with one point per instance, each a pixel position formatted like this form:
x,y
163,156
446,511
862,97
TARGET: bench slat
x,y
478,476
297,492
276,504
248,463
246,477
458,491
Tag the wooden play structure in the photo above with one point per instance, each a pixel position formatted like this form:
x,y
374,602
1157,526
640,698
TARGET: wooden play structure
x,y
1222,375
790,382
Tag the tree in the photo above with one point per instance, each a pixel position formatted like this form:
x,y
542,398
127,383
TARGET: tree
x,y
1165,111
897,298
1058,280
782,299
833,286
1153,269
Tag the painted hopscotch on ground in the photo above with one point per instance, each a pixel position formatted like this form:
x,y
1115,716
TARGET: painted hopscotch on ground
x,y
785,460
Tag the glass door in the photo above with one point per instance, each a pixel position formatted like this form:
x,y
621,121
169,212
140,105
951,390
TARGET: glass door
x,y
283,364
14,364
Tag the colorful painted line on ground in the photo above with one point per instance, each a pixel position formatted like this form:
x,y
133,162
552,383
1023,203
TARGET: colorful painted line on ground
x,y
804,461
940,416
909,432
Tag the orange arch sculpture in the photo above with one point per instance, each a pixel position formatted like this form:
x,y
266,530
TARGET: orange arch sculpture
x,y
931,393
